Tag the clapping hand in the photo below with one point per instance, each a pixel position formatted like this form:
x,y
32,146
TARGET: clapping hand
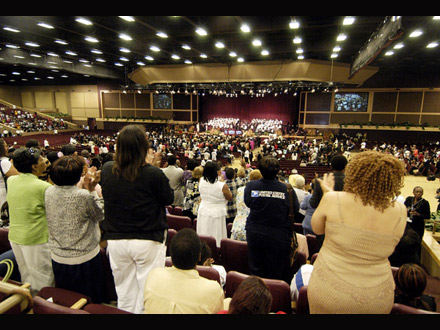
x,y
92,178
327,183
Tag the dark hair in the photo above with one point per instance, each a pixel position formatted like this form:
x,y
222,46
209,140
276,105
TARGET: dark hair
x,y
191,164
3,148
269,167
131,151
210,171
205,252
67,170
338,163
32,143
251,297
24,158
185,249
230,172
411,280
171,160
52,156
68,149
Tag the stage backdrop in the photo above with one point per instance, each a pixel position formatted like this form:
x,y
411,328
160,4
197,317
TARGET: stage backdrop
x,y
282,107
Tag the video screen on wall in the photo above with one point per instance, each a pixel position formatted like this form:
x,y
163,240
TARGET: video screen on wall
x,y
351,102
162,101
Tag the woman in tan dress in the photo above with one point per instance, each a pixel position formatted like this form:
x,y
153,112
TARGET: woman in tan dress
x,y
362,226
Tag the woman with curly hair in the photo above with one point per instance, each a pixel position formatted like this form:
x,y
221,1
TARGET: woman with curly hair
x,y
362,226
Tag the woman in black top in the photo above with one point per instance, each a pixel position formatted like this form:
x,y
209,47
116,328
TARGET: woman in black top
x,y
418,211
135,195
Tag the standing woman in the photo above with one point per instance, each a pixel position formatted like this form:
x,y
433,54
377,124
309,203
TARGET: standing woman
x,y
135,195
362,226
7,169
214,194
418,211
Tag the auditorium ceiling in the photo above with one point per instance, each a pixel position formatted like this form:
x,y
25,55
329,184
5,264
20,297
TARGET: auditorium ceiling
x,y
163,51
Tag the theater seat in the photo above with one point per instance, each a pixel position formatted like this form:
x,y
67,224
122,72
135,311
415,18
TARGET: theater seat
x,y
42,306
279,289
234,255
4,240
103,309
178,222
62,297
302,303
212,243
404,309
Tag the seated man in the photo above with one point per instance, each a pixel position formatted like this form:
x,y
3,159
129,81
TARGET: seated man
x,y
180,289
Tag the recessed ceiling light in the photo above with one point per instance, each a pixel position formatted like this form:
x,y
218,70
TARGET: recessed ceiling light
x,y
84,21
61,42
294,24
162,34
297,40
240,59
155,49
398,46
233,54
35,55
245,28
52,54
71,53
7,28
336,49
201,32
256,42
341,37
389,53
186,47
96,51
299,51
32,44
264,52
348,20
119,64
140,63
45,25
124,50
91,39
176,57
432,45
12,46
416,33
203,56
219,44
188,62
127,18
125,36
149,58
100,60
124,59
334,55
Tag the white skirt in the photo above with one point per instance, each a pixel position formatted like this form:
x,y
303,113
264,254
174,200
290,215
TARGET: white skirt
x,y
212,222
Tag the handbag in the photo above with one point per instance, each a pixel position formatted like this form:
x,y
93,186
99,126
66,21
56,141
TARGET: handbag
x,y
294,241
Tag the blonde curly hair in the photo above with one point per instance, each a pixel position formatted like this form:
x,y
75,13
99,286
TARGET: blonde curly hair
x,y
376,178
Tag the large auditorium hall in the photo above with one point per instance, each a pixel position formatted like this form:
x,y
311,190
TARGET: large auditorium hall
x,y
219,165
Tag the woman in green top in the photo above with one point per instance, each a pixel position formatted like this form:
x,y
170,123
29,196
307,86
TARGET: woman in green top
x,y
28,231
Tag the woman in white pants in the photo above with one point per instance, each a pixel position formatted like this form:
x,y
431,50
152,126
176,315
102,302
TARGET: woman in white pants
x,y
135,194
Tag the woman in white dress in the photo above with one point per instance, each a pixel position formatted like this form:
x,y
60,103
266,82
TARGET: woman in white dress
x,y
214,194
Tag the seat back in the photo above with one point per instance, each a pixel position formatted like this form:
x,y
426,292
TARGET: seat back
x,y
279,289
42,306
178,222
404,309
171,233
209,273
302,303
300,259
61,296
103,309
312,244
5,245
234,255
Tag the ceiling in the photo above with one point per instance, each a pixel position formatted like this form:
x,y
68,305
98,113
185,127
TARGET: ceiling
x,y
34,61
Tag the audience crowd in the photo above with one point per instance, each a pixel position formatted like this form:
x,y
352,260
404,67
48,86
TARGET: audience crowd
x,y
198,172
27,122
